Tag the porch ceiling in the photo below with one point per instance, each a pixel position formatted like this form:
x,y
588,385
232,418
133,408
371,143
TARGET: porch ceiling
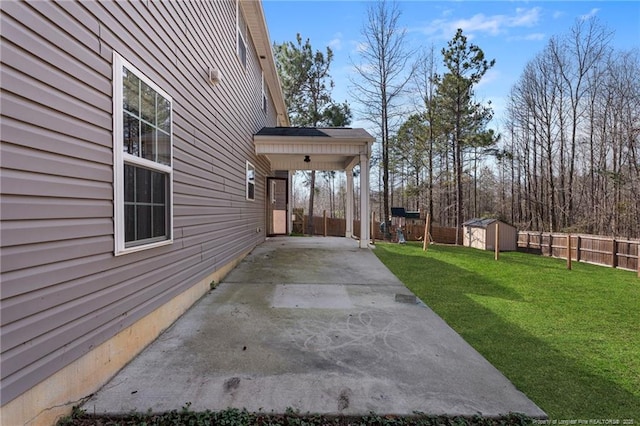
x,y
327,148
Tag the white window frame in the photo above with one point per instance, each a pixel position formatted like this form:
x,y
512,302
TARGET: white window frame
x,y
249,181
240,36
263,99
120,158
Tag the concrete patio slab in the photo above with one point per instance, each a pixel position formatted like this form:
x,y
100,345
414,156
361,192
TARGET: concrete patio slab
x,y
317,325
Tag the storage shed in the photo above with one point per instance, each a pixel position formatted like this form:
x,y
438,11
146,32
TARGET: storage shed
x,y
481,234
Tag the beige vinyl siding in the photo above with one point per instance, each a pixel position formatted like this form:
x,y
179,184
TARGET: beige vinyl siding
x,y
63,290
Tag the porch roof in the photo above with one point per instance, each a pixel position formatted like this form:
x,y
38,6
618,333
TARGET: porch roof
x,y
327,148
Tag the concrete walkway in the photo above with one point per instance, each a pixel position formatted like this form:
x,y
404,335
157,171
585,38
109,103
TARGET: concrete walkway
x,y
317,325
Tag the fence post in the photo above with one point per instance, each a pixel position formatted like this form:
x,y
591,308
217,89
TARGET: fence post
x,y
497,242
578,248
528,240
426,240
324,220
569,251
614,253
550,244
304,224
373,228
540,243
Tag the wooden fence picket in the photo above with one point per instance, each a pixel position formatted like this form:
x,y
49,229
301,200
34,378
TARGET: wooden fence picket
x,y
608,251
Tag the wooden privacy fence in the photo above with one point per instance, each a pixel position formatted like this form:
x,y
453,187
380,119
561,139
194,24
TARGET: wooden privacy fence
x,y
322,225
617,253
333,227
439,234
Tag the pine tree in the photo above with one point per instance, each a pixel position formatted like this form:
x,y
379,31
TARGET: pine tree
x,y
464,118
307,85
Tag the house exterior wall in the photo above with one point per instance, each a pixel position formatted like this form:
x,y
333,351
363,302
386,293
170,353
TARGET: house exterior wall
x,y
64,292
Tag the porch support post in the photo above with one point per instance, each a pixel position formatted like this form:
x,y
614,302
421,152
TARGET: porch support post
x,y
364,201
289,202
349,207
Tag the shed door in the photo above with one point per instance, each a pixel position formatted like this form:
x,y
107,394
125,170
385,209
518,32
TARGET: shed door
x,y
277,208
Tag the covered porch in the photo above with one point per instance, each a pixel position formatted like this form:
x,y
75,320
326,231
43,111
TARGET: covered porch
x,y
311,148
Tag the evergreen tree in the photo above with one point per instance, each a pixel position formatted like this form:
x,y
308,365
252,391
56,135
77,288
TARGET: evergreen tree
x,y
463,117
307,85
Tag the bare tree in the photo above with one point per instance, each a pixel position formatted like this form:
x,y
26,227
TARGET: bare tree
x,y
576,56
381,76
574,128
426,80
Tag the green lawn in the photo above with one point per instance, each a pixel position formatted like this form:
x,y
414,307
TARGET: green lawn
x,y
570,340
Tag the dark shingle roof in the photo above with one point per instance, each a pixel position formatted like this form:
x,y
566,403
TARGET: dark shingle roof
x,y
483,223
326,132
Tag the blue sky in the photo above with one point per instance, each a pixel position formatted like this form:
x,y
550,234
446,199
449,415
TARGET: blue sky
x,y
511,32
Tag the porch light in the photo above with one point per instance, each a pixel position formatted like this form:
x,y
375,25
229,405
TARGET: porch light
x,y
307,159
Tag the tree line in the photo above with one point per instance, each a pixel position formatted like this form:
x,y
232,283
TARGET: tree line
x,y
572,146
565,160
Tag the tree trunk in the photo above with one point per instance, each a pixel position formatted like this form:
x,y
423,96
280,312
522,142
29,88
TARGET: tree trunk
x,y
459,202
430,173
312,190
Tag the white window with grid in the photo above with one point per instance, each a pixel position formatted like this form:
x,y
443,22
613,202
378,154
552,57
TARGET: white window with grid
x,y
143,160
241,31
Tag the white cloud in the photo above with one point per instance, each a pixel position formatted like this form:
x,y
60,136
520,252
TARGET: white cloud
x,y
593,12
528,37
489,77
558,14
480,23
525,17
535,37
432,27
447,12
336,42
360,46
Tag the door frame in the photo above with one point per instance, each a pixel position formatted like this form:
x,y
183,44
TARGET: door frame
x,y
270,202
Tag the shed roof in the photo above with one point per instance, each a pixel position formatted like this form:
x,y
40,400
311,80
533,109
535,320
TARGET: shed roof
x,y
479,223
483,223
